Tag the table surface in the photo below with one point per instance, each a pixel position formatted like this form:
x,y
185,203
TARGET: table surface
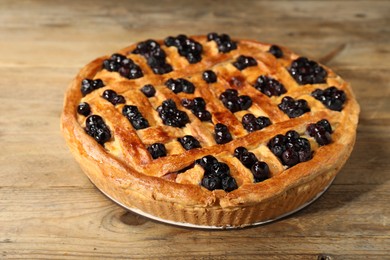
x,y
49,209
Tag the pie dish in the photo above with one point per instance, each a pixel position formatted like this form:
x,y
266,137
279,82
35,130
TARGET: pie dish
x,y
210,130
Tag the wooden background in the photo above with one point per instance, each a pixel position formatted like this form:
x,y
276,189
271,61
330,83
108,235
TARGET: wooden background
x,y
49,209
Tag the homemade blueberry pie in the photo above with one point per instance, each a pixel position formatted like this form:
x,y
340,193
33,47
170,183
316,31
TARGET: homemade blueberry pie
x,y
210,130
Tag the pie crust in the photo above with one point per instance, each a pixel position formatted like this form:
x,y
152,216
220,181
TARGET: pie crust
x,y
123,168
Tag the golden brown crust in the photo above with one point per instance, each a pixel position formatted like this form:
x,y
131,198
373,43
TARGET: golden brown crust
x,y
124,170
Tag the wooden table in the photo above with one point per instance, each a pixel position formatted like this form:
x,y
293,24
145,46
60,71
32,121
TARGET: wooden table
x,y
49,209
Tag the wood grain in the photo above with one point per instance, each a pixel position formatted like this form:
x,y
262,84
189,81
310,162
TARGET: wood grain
x,y
49,209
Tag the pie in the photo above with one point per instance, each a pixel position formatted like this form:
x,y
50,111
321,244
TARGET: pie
x,y
209,130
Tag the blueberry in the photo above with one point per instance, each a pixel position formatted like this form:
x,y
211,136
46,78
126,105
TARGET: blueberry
x,y
222,134
219,169
239,151
229,184
119,99
269,86
290,157
244,102
248,119
212,36
157,150
199,103
325,124
243,62
306,71
211,182
209,76
207,162
109,95
292,135
248,159
260,171
188,87
174,85
263,121
95,127
276,51
84,109
189,142
187,103
148,90
203,115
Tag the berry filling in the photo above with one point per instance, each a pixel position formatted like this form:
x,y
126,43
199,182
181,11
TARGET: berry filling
x,y
180,85
89,85
189,142
125,66
331,97
294,108
197,107
186,47
259,169
269,86
95,127
154,55
251,123
291,149
321,131
233,102
171,116
244,62
223,41
306,71
216,174
157,150
135,117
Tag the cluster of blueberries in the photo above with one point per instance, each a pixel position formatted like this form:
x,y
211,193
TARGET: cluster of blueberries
x,y
155,56
259,169
321,131
251,123
291,149
170,115
244,62
111,96
95,127
180,85
135,117
186,47
294,108
222,134
216,174
89,85
123,65
306,71
269,86
233,102
197,107
331,97
223,41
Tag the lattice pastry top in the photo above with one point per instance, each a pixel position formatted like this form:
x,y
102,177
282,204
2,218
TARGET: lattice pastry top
x,y
197,129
